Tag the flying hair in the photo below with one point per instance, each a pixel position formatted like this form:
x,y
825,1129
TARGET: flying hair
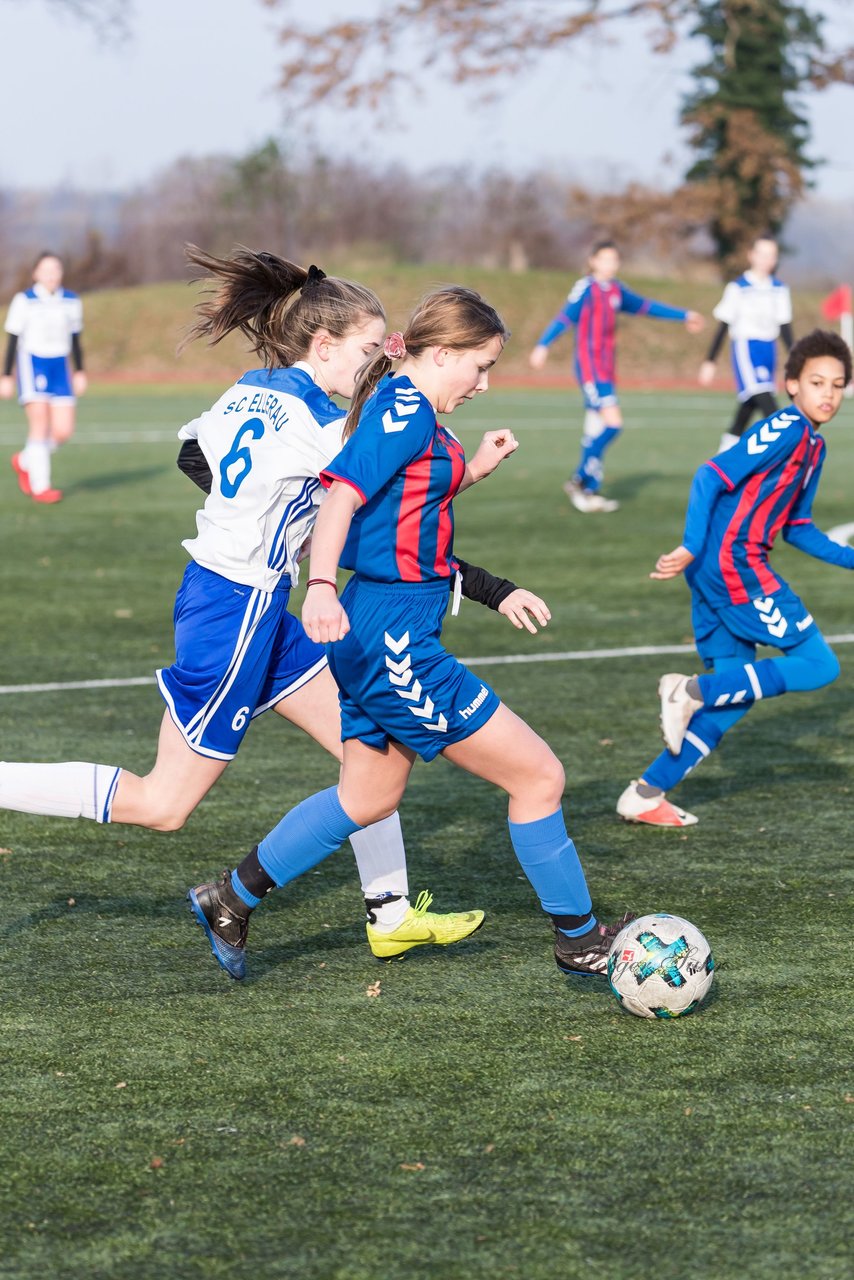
x,y
452,317
277,305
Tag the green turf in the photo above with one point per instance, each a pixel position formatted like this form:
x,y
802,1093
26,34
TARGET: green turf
x,y
482,1117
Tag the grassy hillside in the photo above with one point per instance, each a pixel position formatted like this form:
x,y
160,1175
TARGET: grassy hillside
x,y
133,333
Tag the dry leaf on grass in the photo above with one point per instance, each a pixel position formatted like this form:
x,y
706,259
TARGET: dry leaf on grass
x,y
374,989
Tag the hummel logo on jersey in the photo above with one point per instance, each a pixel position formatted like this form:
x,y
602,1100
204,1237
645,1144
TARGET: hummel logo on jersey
x,y
759,441
400,677
771,616
406,403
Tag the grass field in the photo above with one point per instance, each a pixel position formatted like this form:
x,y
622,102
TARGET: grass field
x,y
481,1118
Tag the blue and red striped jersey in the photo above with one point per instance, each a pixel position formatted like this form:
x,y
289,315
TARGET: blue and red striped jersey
x,y
407,469
741,500
592,307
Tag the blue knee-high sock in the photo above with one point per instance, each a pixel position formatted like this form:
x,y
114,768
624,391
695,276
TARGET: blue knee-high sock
x,y
704,733
742,685
591,462
307,834
548,858
809,665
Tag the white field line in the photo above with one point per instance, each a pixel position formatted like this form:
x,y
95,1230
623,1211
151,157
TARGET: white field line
x,y
508,659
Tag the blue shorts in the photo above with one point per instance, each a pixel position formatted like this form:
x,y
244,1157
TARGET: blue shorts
x,y
598,395
396,680
44,378
238,652
733,631
753,362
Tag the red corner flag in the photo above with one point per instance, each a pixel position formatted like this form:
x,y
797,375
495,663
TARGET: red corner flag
x,y
838,303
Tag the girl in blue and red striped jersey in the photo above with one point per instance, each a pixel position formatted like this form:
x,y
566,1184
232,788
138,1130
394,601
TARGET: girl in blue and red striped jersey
x,y
740,501
388,517
592,308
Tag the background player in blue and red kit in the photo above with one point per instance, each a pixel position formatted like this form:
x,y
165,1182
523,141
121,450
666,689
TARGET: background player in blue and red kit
x,y
592,307
388,517
756,310
44,326
740,500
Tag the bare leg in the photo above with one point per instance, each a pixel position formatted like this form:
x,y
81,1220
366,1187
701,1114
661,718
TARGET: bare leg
x,y
164,798
509,753
62,418
314,708
373,782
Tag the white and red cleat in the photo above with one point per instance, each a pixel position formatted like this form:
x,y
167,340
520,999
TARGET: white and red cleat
x,y
47,495
23,476
654,811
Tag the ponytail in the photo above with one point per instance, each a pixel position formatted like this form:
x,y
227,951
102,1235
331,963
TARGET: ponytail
x,y
368,378
276,304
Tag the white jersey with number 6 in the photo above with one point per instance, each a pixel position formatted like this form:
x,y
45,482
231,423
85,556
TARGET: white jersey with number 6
x,y
266,440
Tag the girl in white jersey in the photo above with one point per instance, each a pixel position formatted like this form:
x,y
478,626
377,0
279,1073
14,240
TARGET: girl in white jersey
x,y
44,325
238,650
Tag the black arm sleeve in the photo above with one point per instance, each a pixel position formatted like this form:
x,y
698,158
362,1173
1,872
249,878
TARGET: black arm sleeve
x,y
482,586
194,464
76,351
787,336
717,342
11,348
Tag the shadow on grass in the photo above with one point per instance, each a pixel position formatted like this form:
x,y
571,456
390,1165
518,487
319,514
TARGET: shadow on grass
x,y
114,480
628,487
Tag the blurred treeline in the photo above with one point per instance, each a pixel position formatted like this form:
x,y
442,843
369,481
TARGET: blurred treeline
x,y
320,207
317,208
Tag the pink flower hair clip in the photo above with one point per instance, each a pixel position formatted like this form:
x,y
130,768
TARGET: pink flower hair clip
x,y
394,347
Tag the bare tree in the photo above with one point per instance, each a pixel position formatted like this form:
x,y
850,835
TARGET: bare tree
x,y
481,42
109,19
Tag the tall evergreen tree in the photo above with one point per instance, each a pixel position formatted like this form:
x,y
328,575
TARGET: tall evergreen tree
x,y
744,117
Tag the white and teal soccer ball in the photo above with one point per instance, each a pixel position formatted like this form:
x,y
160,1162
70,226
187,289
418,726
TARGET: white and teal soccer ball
x,y
660,966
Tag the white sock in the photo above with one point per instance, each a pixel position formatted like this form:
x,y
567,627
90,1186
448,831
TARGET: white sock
x,y
728,439
593,425
36,461
72,790
381,859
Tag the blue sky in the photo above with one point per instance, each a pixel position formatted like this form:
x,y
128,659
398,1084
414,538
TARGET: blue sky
x,y
90,115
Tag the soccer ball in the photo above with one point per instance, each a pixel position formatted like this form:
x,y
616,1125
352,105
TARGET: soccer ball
x,y
660,966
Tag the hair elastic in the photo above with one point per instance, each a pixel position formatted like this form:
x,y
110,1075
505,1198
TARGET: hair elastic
x,y
394,347
315,275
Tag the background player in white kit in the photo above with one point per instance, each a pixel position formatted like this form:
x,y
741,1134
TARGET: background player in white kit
x,y
44,326
756,309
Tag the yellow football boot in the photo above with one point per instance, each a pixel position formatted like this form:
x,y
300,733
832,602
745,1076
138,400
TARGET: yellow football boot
x,y
420,926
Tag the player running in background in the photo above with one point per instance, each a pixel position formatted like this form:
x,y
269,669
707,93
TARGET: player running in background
x,y
239,651
755,310
388,517
44,326
740,500
592,307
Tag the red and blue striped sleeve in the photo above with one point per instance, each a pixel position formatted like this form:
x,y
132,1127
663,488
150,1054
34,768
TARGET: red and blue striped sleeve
x,y
633,304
